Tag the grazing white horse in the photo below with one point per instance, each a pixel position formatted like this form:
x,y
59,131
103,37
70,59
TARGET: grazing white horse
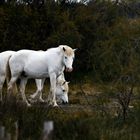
x,y
61,90
38,65
62,93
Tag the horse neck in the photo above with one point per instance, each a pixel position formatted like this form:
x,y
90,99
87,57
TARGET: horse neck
x,y
58,56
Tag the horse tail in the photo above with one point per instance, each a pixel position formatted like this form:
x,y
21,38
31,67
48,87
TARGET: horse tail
x,y
8,72
8,76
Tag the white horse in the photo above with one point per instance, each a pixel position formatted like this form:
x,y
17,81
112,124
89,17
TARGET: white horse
x,y
4,57
61,90
38,65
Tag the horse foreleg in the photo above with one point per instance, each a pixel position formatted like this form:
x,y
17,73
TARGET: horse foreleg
x,y
23,83
42,85
53,88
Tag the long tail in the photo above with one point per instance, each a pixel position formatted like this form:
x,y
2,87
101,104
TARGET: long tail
x,y
8,77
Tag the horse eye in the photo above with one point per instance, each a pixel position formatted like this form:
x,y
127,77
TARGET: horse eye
x,y
63,90
65,57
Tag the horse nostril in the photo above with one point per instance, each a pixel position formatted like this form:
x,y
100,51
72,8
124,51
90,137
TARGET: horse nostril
x,y
64,102
69,69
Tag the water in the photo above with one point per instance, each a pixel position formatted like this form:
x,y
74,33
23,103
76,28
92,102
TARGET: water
x,y
84,118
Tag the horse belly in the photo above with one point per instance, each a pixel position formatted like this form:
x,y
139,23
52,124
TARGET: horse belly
x,y
36,75
36,71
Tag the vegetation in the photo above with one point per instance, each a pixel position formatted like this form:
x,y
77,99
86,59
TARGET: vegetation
x,y
70,122
107,35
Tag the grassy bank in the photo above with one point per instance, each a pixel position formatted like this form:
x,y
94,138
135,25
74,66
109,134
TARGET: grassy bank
x,y
91,115
69,125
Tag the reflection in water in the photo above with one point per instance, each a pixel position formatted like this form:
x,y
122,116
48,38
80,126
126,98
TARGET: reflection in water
x,y
18,122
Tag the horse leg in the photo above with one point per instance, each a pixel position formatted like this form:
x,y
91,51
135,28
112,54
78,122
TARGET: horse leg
x,y
23,83
38,85
2,79
49,100
15,89
11,85
40,95
53,88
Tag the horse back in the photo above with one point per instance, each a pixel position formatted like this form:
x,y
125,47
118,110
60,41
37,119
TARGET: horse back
x,y
4,57
28,62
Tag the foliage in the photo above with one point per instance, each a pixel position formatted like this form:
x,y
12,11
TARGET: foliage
x,y
70,125
105,33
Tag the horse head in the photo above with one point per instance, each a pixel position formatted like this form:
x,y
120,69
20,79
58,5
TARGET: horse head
x,y
62,92
68,57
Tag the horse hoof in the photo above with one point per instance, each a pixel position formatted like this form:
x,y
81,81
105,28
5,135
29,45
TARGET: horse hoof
x,y
32,100
55,105
50,104
28,105
31,97
41,100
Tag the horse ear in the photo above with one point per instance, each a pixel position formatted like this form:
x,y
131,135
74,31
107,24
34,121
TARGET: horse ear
x,y
64,49
68,82
74,49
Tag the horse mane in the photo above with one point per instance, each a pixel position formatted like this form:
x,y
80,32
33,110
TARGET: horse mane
x,y
64,83
68,50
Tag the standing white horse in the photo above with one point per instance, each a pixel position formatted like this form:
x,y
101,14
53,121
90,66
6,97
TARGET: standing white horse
x,y
4,57
38,64
62,90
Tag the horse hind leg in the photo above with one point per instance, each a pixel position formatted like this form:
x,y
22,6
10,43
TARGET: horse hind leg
x,y
11,84
38,85
23,83
49,99
38,94
41,99
34,95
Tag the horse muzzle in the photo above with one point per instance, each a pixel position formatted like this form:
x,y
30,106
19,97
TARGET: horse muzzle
x,y
69,69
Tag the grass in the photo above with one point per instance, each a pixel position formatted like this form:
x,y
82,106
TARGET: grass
x,y
87,117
